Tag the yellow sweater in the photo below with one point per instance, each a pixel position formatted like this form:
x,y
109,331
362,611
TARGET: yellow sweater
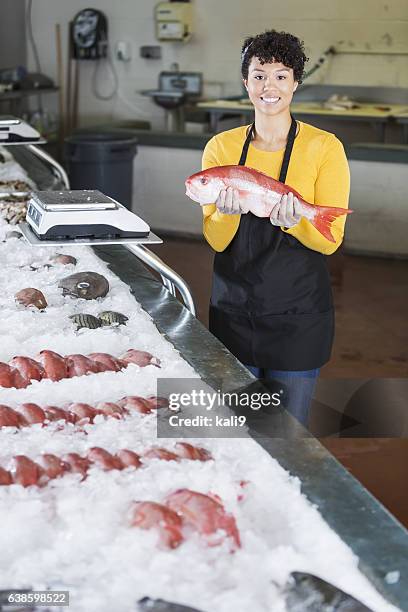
x,y
318,170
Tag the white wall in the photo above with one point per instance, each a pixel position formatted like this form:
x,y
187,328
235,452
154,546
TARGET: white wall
x,y
158,189
220,26
12,47
380,223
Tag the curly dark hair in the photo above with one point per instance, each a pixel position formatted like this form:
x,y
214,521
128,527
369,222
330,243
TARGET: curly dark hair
x,y
273,46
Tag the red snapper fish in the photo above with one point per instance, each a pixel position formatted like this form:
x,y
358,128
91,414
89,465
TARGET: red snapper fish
x,y
258,193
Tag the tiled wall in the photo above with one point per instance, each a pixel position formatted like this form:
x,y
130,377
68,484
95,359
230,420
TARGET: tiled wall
x,y
220,26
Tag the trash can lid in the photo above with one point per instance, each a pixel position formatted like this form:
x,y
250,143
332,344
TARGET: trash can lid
x,y
100,138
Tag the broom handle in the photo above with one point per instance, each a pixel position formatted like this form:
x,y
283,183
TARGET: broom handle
x,y
76,95
69,70
60,82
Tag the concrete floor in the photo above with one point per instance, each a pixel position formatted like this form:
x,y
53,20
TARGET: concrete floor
x,y
371,298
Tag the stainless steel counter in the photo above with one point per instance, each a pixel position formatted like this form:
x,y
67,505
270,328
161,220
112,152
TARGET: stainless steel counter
x,y
380,542
366,151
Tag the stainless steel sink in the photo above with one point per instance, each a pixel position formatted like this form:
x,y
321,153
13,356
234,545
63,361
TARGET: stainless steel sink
x,y
174,91
167,99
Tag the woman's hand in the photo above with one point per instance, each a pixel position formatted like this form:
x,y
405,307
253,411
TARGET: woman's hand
x,y
287,212
228,202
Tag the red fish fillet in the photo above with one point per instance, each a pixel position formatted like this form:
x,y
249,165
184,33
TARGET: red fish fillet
x,y
11,377
204,514
53,466
10,417
5,477
110,409
104,459
79,365
140,358
129,458
136,403
82,411
53,413
32,413
107,362
25,471
54,365
258,194
76,463
28,368
156,452
148,514
188,451
157,402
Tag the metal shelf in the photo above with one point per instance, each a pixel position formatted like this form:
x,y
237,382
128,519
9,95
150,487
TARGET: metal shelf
x,y
16,94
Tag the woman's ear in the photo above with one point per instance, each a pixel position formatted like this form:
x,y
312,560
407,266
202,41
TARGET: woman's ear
x,y
245,82
295,86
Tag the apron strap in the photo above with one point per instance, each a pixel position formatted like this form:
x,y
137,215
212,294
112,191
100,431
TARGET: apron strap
x,y
286,156
288,151
245,148
285,164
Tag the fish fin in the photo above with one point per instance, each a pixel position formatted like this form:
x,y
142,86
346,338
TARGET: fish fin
x,y
325,215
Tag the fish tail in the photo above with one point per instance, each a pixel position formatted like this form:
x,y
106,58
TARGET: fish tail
x,y
324,217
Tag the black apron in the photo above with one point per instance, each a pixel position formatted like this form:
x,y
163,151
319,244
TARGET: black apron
x,y
271,302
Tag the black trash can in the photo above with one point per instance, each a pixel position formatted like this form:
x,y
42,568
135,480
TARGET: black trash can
x,y
102,161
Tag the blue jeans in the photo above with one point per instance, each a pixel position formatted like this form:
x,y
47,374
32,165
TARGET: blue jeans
x,y
299,387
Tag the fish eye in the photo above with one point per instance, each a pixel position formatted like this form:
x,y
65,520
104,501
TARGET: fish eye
x,y
203,180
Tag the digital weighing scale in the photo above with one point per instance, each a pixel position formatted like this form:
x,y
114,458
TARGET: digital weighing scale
x,y
17,132
77,214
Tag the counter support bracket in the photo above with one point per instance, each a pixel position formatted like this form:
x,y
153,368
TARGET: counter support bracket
x,y
171,280
57,168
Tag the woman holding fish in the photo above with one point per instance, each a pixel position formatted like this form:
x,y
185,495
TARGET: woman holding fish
x,y
274,196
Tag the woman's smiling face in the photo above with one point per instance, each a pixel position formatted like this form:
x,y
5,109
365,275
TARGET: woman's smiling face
x,y
270,86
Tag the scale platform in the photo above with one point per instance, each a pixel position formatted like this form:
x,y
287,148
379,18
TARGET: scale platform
x,y
30,236
31,141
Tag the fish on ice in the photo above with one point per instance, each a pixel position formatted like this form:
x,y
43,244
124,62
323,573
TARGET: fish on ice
x,y
258,193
